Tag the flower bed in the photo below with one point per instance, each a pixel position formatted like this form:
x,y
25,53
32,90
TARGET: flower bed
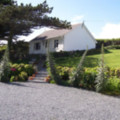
x,y
20,72
88,78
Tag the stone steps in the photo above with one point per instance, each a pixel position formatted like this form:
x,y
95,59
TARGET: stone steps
x,y
41,75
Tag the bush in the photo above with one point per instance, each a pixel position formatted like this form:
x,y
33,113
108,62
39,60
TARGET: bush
x,y
21,72
88,81
14,78
107,42
19,51
29,69
112,86
64,72
89,78
2,50
23,76
113,47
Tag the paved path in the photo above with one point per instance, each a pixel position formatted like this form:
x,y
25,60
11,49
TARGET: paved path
x,y
36,100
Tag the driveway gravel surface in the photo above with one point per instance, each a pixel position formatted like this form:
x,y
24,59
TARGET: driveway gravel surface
x,y
36,100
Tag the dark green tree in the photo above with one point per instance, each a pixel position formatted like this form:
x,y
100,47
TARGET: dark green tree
x,y
20,19
6,2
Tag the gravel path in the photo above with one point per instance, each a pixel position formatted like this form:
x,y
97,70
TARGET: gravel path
x,y
42,101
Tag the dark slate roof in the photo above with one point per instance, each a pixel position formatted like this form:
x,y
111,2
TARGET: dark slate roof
x,y
54,33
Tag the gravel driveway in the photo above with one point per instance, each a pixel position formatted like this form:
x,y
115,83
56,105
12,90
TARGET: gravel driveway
x,y
43,101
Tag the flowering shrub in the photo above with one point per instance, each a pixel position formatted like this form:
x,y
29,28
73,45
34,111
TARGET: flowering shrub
x,y
88,78
13,69
20,72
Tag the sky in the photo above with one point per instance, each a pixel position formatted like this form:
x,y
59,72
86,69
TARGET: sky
x,y
100,16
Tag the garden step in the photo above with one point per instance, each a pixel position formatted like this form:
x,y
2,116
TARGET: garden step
x,y
37,81
39,78
41,75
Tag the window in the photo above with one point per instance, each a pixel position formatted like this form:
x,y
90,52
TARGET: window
x,y
56,42
37,46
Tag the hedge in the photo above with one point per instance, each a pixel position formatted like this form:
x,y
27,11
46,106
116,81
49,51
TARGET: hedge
x,y
107,42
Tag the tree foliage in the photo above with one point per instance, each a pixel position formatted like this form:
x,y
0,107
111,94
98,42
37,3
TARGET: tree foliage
x,y
6,2
18,20
20,51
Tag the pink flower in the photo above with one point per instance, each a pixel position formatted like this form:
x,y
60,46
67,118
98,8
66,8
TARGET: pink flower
x,y
13,69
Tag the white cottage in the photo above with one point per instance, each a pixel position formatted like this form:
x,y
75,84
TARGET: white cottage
x,y
77,38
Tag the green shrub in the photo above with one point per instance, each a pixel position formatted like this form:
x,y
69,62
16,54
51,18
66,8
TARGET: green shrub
x,y
89,78
21,70
113,47
13,78
29,69
52,82
2,51
23,76
64,72
112,86
108,42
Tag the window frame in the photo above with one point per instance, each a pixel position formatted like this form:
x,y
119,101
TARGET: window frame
x,y
37,46
56,43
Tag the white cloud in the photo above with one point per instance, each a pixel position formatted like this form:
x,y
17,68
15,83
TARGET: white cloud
x,y
77,19
110,31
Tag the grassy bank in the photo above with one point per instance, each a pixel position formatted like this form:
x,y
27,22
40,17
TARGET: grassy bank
x,y
112,59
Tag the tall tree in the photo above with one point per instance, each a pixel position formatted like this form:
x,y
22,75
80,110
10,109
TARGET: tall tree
x,y
6,2
20,19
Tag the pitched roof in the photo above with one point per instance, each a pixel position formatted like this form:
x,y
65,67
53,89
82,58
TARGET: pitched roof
x,y
54,33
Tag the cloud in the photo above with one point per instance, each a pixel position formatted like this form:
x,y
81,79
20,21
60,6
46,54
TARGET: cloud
x,y
110,31
77,19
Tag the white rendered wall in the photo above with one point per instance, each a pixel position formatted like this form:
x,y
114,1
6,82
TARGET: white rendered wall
x,y
78,39
32,50
43,49
60,45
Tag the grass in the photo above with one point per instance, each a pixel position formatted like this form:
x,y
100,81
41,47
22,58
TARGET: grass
x,y
112,59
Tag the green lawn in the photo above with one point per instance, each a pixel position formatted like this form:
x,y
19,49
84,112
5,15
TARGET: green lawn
x,y
112,59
